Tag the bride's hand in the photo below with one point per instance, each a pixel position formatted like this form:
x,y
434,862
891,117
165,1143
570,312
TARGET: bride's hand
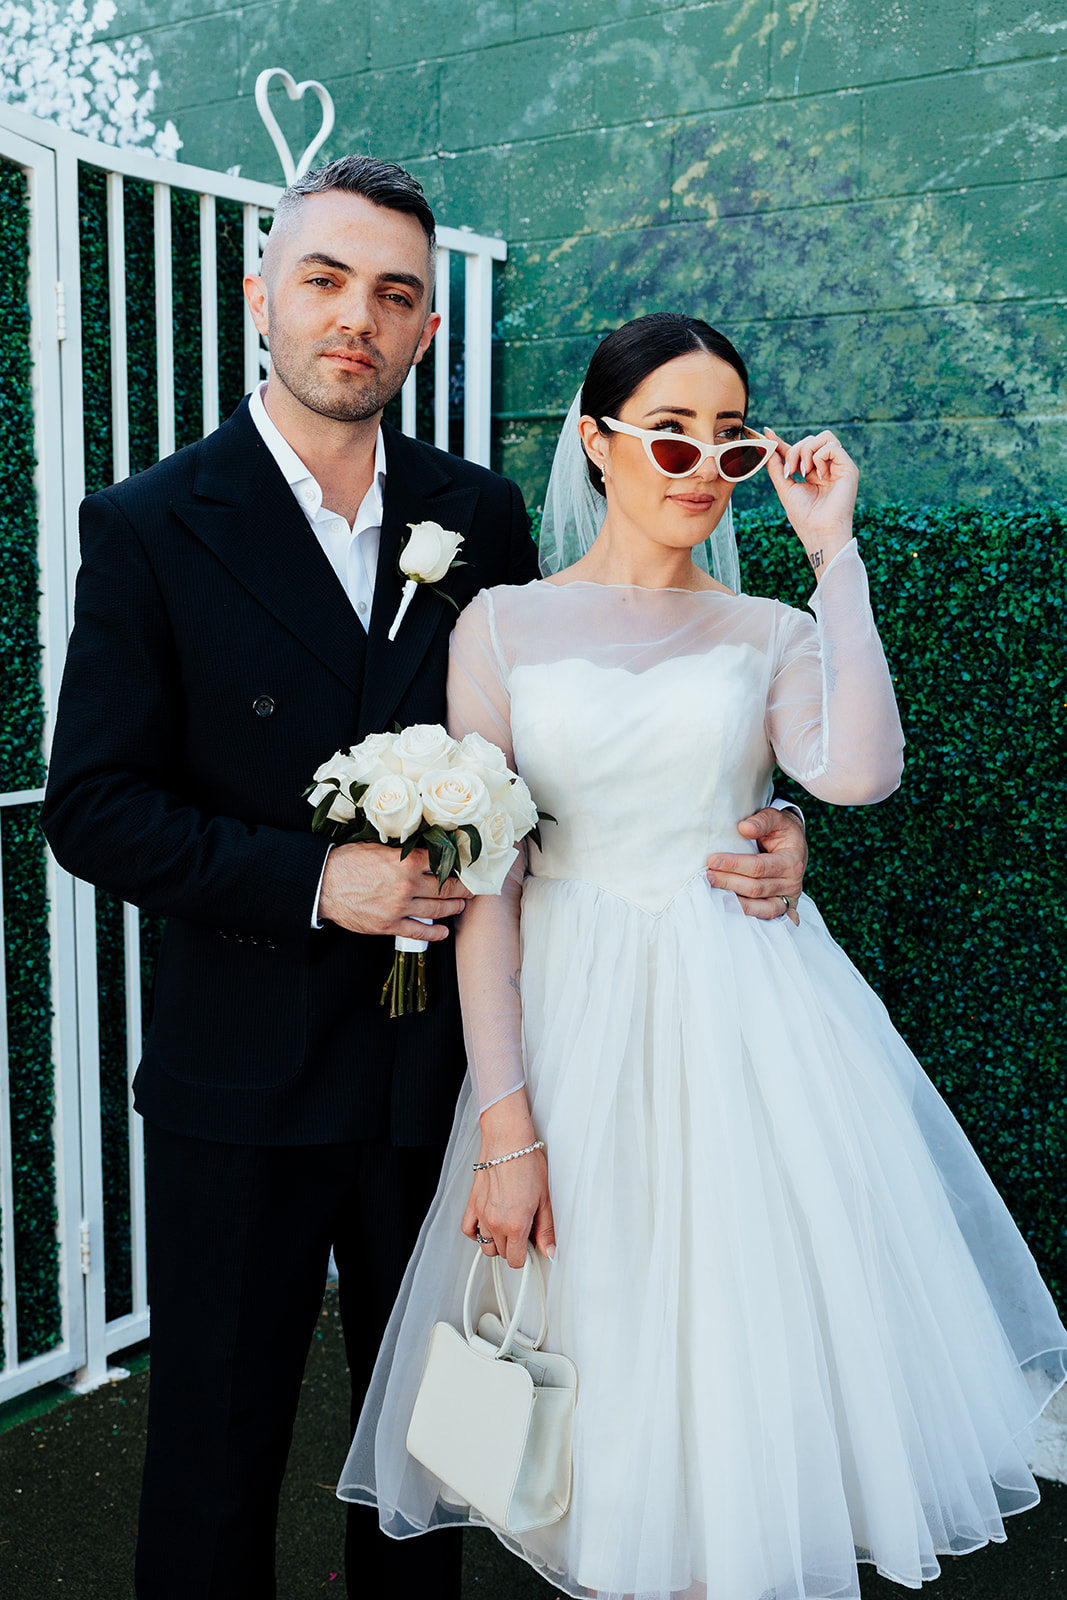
x,y
821,504
510,1204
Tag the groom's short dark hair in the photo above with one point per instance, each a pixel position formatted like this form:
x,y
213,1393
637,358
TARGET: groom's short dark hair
x,y
382,182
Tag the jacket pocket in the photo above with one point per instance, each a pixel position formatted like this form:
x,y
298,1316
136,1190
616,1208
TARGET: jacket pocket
x,y
229,1010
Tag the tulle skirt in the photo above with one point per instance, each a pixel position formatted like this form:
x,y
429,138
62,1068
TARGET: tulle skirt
x,y
807,1331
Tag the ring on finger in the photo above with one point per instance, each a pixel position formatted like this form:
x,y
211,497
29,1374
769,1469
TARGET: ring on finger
x,y
478,1236
785,899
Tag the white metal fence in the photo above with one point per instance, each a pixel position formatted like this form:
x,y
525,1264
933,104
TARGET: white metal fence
x,y
52,160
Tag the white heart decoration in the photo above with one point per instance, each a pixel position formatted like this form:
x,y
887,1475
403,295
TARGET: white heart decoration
x,y
295,91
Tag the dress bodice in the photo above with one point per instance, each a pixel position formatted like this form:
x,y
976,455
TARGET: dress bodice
x,y
646,771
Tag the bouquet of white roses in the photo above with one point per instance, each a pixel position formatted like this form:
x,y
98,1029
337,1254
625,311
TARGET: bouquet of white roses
x,y
420,788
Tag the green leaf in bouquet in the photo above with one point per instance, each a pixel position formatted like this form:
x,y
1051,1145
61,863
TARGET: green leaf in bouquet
x,y
409,845
321,815
434,849
436,841
449,858
535,831
474,836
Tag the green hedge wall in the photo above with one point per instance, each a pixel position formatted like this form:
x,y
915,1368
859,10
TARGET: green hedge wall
x,y
29,1015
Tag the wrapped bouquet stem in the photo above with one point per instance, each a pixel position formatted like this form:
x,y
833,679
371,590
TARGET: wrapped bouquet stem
x,y
419,788
405,988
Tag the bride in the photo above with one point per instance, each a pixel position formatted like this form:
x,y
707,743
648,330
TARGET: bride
x,y
806,1331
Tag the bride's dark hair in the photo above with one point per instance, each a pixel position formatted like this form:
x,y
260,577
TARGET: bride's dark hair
x,y
627,356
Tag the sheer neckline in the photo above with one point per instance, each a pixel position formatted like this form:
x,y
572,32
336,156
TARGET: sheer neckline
x,y
591,583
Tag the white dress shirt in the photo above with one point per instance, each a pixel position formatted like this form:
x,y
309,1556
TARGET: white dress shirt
x,y
351,551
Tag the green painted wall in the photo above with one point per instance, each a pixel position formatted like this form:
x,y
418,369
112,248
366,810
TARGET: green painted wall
x,y
867,194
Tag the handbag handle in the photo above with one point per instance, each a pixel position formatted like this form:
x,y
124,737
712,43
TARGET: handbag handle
x,y
531,1270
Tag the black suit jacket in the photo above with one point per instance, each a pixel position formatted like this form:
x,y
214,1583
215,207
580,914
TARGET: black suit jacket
x,y
215,663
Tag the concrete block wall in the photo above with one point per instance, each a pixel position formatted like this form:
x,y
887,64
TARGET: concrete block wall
x,y
867,195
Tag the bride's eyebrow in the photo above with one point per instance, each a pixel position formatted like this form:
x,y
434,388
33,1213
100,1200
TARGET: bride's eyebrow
x,y
682,411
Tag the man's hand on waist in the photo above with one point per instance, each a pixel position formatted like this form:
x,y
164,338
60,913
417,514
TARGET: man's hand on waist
x,y
766,882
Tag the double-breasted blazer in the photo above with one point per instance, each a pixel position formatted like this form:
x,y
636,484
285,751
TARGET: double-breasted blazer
x,y
215,662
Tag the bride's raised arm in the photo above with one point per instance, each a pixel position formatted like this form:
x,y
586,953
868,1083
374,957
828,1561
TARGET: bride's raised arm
x,y
510,1201
831,715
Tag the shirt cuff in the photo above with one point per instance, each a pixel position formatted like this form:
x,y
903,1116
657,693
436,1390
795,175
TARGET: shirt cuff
x,y
781,805
316,920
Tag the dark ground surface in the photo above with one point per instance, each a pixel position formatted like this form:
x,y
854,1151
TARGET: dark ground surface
x,y
68,1507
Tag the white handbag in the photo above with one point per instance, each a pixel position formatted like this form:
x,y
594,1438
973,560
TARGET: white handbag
x,y
493,1414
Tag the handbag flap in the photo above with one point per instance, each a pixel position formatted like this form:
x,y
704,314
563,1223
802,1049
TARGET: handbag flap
x,y
546,1370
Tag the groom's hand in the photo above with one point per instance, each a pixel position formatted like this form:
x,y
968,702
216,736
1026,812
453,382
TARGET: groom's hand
x,y
763,883
366,888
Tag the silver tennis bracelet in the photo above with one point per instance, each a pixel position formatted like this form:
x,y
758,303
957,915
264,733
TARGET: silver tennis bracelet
x,y
483,1166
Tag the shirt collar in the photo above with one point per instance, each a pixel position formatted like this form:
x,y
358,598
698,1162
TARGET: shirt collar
x,y
296,473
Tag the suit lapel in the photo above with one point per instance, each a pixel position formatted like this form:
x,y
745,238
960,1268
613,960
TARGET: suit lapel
x,y
418,488
245,512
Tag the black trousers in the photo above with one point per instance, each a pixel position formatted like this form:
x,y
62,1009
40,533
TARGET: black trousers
x,y
239,1242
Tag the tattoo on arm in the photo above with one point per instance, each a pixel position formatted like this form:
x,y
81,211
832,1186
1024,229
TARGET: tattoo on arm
x,y
513,979
816,558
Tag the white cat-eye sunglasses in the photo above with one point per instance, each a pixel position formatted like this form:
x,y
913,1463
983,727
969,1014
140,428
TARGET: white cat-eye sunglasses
x,y
678,456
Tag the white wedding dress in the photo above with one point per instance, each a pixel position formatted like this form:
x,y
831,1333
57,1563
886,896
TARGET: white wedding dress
x,y
807,1332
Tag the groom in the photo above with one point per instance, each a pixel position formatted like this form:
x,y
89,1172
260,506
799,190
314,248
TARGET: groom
x,y
232,614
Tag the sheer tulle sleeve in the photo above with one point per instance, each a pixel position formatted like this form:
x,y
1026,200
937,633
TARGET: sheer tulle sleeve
x,y
832,715
487,934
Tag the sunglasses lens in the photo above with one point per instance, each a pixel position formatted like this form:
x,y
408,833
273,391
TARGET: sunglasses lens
x,y
675,455
738,462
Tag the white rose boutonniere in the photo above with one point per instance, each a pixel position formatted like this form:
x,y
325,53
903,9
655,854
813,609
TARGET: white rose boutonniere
x,y
429,553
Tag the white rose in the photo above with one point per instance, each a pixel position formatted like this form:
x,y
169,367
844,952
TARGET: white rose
x,y
423,747
487,758
429,552
453,795
516,799
338,769
342,809
393,805
487,874
373,757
